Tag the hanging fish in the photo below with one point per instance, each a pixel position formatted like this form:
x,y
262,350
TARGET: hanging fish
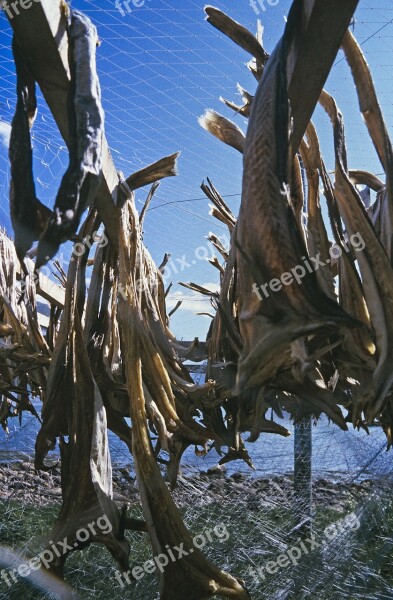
x,y
270,243
82,179
28,214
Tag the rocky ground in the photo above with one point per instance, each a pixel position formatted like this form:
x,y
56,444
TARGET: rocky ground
x,y
21,483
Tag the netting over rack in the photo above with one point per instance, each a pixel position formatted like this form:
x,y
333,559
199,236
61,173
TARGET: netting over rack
x,y
160,67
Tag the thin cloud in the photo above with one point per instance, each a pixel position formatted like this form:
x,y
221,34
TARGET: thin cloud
x,y
192,301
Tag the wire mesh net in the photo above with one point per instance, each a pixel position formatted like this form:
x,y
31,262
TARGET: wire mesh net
x,y
159,71
345,552
160,67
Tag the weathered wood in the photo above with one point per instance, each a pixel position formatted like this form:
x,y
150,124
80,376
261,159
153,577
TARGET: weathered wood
x,y
303,475
43,321
46,288
312,53
49,290
41,33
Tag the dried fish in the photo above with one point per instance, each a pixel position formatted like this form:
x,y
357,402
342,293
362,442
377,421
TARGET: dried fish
x,y
113,356
307,362
269,241
24,354
374,264
192,576
223,129
82,179
239,34
28,214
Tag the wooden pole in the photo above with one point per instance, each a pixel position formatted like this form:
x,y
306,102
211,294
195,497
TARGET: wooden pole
x,y
303,477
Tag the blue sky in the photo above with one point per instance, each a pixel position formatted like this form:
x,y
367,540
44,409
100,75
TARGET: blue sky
x,y
160,67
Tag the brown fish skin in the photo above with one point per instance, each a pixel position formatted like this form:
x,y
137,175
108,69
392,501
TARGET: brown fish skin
x,y
351,296
317,238
373,117
28,214
81,181
374,265
223,129
269,240
368,102
194,577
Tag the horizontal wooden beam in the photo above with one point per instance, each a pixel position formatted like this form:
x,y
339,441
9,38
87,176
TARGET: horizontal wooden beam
x,y
43,321
41,33
313,49
46,288
50,291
